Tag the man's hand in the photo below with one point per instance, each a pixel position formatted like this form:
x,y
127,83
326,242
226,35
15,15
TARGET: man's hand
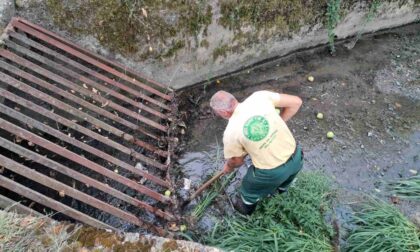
x,y
232,163
227,169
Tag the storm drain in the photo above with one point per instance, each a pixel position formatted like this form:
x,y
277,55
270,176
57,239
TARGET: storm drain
x,y
82,136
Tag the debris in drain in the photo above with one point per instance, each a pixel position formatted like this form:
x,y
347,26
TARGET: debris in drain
x,y
187,184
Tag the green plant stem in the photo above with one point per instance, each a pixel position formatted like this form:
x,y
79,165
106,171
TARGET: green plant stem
x,y
333,17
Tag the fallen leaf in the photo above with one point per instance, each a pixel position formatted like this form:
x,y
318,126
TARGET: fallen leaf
x,y
395,200
28,220
94,90
413,171
62,193
85,86
18,139
58,229
104,105
143,10
173,227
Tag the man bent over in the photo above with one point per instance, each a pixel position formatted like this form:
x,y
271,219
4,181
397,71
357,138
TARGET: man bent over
x,y
255,128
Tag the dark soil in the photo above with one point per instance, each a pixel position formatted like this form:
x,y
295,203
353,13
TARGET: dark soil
x,y
370,98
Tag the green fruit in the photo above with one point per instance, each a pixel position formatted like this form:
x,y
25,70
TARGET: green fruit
x,y
330,135
311,78
167,193
320,116
183,228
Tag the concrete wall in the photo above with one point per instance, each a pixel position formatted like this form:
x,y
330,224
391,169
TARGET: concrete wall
x,y
189,52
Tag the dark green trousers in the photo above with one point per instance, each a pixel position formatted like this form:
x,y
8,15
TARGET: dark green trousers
x,y
259,183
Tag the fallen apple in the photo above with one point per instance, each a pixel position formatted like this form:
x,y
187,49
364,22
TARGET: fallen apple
x,y
330,135
320,116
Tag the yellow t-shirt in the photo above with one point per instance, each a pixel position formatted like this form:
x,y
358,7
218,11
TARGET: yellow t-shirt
x,y
255,128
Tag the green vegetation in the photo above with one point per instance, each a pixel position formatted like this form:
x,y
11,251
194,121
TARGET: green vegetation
x,y
131,26
287,222
381,227
333,17
283,16
373,10
211,194
406,189
220,51
174,48
216,188
204,43
256,21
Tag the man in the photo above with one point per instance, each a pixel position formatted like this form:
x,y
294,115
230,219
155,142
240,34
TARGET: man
x,y
257,129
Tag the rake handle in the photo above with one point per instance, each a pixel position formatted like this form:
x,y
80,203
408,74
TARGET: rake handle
x,y
207,184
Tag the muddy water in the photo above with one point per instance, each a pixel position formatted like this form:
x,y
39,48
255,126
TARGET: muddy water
x,y
370,98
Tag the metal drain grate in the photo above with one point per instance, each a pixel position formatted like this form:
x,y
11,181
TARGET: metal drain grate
x,y
82,135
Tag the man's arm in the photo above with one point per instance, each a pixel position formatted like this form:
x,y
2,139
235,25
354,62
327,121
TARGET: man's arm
x,y
290,105
233,163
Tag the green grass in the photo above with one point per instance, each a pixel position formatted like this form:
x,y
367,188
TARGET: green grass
x,y
406,189
381,227
288,222
216,188
211,194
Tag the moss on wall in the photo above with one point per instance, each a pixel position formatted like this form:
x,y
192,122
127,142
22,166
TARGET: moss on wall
x,y
143,29
134,26
283,15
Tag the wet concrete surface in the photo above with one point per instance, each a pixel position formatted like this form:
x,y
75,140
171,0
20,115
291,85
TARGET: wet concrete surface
x,y
370,98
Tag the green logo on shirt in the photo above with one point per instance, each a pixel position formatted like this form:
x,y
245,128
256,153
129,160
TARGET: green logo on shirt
x,y
256,128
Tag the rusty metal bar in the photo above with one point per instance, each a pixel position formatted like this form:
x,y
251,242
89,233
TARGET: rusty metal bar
x,y
79,66
24,134
51,131
92,61
14,206
76,99
81,177
70,124
58,186
49,86
83,79
114,64
57,85
48,202
36,93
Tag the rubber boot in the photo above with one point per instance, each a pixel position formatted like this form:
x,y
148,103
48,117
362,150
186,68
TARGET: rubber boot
x,y
245,209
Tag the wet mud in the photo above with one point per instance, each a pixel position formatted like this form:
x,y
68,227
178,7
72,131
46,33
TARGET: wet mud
x,y
370,98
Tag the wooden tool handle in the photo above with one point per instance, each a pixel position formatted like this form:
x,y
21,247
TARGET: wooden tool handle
x,y
209,182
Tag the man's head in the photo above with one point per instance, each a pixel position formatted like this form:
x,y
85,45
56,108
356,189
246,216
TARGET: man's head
x,y
223,104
